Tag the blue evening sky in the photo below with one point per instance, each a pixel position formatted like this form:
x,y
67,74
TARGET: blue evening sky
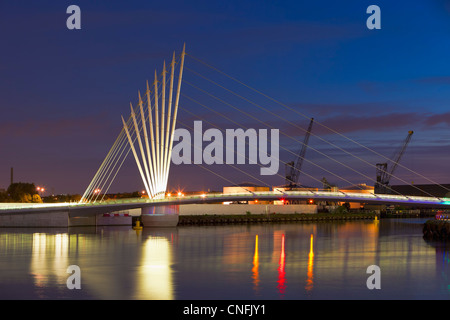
x,y
62,91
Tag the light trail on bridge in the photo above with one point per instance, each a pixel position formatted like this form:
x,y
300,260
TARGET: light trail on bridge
x,y
124,204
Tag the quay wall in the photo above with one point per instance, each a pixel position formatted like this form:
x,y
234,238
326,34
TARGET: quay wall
x,y
240,209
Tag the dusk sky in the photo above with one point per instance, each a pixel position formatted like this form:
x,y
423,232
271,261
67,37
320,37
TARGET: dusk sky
x,y
62,92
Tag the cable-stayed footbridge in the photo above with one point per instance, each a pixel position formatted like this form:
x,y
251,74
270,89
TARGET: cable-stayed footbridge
x,y
150,131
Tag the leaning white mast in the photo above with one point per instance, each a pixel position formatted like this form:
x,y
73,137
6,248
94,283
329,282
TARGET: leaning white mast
x,y
175,114
155,149
161,152
136,156
169,109
158,171
156,154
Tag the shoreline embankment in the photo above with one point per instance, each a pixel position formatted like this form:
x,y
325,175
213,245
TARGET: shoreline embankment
x,y
436,229
271,218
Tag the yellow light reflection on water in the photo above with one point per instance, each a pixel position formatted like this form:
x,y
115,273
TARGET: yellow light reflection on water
x,y
255,270
49,258
155,281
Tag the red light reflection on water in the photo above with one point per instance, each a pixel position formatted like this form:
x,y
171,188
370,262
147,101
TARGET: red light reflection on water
x,y
281,269
310,275
281,281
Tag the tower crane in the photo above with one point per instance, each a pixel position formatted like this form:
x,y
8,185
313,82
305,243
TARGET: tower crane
x,y
293,168
384,173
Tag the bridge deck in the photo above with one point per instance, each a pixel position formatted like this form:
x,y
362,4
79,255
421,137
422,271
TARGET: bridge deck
x,y
123,204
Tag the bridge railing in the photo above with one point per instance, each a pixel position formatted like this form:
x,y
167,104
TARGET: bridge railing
x,y
319,194
324,194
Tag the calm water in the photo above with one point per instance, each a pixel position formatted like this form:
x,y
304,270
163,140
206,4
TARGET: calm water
x,y
285,261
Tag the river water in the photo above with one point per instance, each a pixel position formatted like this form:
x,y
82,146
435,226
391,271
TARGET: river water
x,y
322,260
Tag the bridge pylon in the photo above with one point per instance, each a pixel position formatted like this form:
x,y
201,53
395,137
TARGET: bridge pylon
x,y
149,132
155,155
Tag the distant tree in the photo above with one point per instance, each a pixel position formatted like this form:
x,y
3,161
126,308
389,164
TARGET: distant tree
x,y
25,197
50,199
22,192
75,197
4,197
36,198
341,209
62,198
136,194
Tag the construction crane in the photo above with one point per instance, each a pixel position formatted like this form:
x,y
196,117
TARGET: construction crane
x,y
384,174
293,168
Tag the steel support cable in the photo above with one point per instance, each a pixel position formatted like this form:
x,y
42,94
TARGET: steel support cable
x,y
332,130
125,141
104,169
102,173
251,176
232,182
102,180
124,144
117,170
98,179
132,131
226,103
349,153
339,177
246,173
220,176
107,173
90,186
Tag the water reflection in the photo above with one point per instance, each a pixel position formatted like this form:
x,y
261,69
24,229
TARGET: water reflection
x,y
285,261
281,270
442,263
155,280
49,259
310,275
255,267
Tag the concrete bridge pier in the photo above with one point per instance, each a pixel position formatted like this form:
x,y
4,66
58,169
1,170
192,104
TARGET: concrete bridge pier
x,y
160,216
48,219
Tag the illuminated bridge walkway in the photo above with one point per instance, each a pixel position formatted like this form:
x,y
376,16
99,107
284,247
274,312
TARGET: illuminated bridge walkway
x,y
126,204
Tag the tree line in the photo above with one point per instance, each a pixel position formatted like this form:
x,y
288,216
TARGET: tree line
x,y
21,192
28,193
